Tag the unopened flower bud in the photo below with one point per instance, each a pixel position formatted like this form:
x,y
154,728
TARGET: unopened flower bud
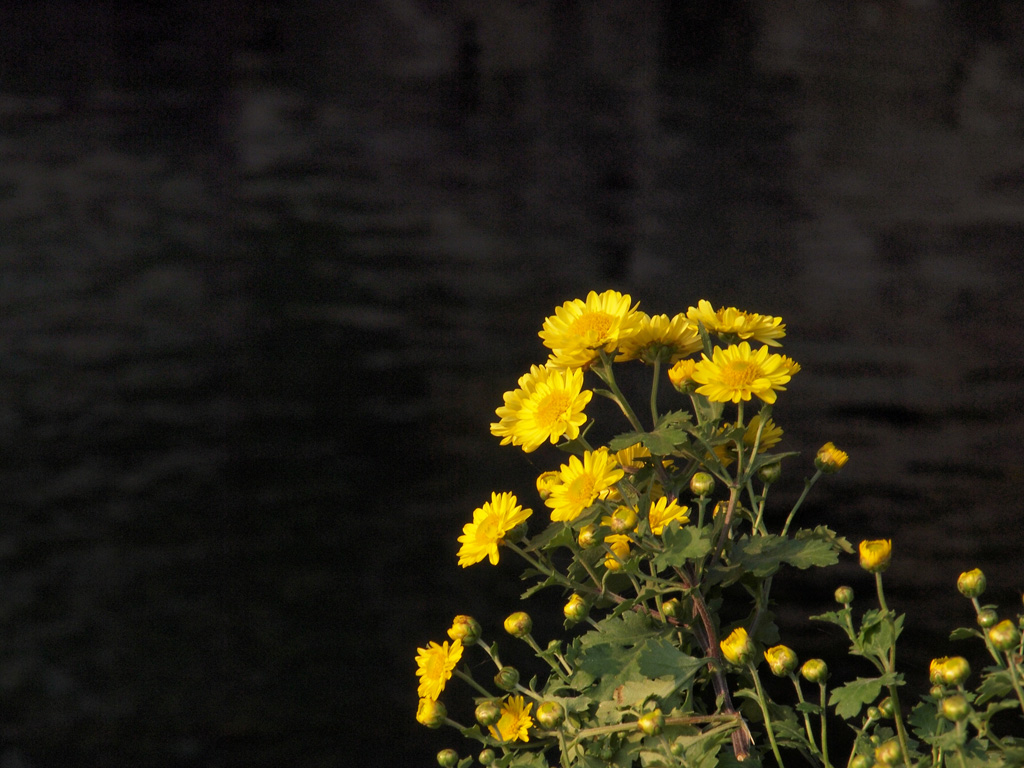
x,y
507,678
576,609
431,713
781,659
447,758
814,671
702,484
949,670
886,707
954,708
1004,636
651,722
769,473
619,546
487,713
971,583
622,520
518,624
874,713
550,715
587,536
671,608
889,752
875,555
486,756
844,595
465,628
546,482
861,761
987,618
681,375
738,648
830,459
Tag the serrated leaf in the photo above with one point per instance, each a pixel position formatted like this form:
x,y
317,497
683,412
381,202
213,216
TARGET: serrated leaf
x,y
848,699
995,684
625,440
683,543
824,533
762,556
963,633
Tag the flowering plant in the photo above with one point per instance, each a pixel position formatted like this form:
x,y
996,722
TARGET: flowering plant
x,y
659,543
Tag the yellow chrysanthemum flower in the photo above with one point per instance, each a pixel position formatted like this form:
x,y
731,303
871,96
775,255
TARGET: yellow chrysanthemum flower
x,y
681,374
548,404
770,435
735,373
875,555
663,512
790,365
515,720
580,329
660,338
491,522
436,663
735,324
581,483
738,648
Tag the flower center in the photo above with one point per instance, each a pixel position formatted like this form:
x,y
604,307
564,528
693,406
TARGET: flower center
x,y
552,409
592,327
582,489
740,374
488,531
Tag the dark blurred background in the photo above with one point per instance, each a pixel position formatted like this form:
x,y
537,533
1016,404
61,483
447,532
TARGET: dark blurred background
x,y
268,266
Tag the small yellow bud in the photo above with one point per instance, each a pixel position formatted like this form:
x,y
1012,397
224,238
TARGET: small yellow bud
x,y
619,545
875,555
431,713
672,608
622,520
1004,636
814,671
781,660
949,670
487,713
971,583
447,758
738,648
507,678
889,752
518,624
587,536
830,459
576,609
546,482
486,756
886,708
702,484
769,473
844,595
681,375
954,708
550,714
987,618
465,628
651,722
860,761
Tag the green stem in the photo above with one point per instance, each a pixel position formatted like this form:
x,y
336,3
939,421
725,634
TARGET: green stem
x,y
807,717
528,639
764,712
824,726
1014,670
551,572
890,667
988,643
469,679
654,391
807,487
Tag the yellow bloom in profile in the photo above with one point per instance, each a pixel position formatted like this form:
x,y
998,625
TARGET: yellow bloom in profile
x,y
790,365
737,648
619,544
631,459
581,483
491,522
830,459
660,338
875,555
545,482
580,329
548,404
770,435
681,374
735,373
664,512
735,324
515,720
436,663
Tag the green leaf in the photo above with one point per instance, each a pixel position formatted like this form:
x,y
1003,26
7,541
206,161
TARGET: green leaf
x,y
995,684
849,699
625,440
763,555
824,533
879,634
682,544
963,633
